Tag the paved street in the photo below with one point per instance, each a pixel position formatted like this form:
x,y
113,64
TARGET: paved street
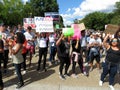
x,y
50,80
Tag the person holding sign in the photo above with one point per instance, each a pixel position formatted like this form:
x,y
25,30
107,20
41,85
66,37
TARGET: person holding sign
x,y
63,48
111,60
76,57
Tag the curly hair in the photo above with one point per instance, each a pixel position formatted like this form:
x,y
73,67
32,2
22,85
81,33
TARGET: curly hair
x,y
20,38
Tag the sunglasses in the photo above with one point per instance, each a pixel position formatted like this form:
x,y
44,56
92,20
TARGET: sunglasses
x,y
114,40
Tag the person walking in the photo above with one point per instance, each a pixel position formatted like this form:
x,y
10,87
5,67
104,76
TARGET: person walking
x,y
111,60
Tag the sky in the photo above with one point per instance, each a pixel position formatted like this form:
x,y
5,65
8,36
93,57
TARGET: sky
x,y
77,9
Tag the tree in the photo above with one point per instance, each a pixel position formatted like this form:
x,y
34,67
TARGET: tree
x,y
116,17
39,7
96,20
11,11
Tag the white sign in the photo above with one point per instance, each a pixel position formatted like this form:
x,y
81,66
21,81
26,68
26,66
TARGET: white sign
x,y
44,24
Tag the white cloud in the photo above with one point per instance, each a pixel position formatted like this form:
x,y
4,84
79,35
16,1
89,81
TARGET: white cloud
x,y
69,9
88,6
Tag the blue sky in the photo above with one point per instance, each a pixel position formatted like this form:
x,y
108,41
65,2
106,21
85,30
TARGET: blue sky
x,y
77,9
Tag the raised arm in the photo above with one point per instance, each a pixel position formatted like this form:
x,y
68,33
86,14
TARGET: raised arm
x,y
59,40
105,44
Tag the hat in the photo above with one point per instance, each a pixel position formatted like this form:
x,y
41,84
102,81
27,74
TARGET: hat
x,y
2,24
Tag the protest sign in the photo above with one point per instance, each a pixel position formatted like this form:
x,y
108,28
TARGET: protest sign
x,y
28,22
82,26
110,28
68,31
44,24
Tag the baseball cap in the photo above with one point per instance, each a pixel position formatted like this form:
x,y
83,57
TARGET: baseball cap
x,y
2,24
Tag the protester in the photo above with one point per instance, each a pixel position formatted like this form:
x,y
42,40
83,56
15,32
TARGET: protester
x,y
30,36
20,29
52,47
17,57
43,46
76,57
94,46
63,48
6,51
111,60
1,58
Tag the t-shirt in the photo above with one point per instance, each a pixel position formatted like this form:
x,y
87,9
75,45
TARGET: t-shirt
x,y
73,46
92,40
29,36
63,49
42,42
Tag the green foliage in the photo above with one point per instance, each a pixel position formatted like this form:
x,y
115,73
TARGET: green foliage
x,y
39,7
96,20
12,12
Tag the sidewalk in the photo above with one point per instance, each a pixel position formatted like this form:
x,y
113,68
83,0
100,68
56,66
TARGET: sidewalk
x,y
50,80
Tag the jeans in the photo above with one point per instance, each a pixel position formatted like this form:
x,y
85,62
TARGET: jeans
x,y
112,70
24,63
18,71
52,53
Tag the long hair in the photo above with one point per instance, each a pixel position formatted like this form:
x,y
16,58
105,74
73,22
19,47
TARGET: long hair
x,y
117,32
20,38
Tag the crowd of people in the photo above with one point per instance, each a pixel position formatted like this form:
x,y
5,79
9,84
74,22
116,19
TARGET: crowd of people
x,y
17,43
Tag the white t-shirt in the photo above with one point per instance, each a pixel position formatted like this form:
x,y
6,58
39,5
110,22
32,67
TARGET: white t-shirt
x,y
42,42
92,40
4,38
51,38
83,42
29,36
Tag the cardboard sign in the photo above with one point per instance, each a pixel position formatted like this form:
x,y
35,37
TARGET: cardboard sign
x,y
44,24
111,29
82,26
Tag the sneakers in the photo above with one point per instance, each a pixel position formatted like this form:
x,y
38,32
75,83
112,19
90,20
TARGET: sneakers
x,y
15,73
74,76
19,85
24,72
86,64
111,87
85,73
66,75
100,83
91,69
62,77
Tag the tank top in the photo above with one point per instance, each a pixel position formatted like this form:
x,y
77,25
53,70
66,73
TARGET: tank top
x,y
113,56
17,58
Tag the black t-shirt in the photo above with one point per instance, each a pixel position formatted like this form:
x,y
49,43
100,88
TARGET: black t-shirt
x,y
73,46
113,56
63,49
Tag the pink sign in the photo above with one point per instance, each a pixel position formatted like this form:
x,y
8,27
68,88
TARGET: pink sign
x,y
77,31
